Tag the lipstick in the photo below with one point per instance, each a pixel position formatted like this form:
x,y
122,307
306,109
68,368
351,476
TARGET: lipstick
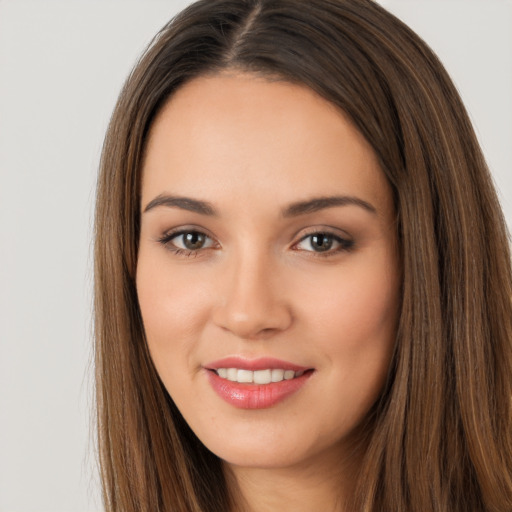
x,y
255,384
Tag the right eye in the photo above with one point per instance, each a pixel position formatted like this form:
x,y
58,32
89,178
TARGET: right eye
x,y
186,241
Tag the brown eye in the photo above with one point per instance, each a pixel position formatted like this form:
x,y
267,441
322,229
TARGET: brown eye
x,y
321,242
194,240
190,240
327,243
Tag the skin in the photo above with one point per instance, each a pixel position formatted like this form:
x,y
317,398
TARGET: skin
x,y
260,287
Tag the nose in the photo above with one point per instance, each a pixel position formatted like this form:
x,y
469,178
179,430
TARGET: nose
x,y
251,300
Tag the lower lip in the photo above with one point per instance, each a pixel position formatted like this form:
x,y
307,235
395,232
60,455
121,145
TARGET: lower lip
x,y
255,396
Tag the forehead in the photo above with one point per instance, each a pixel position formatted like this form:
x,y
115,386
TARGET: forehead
x,y
243,134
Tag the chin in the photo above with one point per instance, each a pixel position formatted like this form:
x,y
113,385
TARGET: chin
x,y
271,457
259,447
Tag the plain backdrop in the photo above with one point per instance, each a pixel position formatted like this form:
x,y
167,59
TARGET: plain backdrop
x,y
62,64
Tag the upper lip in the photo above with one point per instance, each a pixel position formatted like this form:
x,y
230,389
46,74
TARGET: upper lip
x,y
262,363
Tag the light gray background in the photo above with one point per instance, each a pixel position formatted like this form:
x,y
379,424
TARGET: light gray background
x,y
62,64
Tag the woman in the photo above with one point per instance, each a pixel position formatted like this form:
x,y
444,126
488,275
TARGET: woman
x,y
303,285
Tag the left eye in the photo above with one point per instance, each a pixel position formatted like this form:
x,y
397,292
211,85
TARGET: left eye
x,y
190,240
324,242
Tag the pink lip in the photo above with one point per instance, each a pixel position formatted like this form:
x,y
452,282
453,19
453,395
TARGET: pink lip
x,y
255,396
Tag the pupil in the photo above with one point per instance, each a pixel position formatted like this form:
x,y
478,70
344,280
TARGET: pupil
x,y
321,242
194,240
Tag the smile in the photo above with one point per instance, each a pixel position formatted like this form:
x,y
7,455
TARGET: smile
x,y
256,384
265,376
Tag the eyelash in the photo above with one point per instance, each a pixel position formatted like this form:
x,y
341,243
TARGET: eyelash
x,y
166,241
344,244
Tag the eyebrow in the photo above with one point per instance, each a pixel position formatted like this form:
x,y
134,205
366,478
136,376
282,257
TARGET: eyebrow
x,y
321,203
185,203
292,210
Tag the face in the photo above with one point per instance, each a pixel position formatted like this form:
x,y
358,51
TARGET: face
x,y
268,276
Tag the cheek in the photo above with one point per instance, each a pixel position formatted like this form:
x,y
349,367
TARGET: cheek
x,y
174,308
356,307
355,320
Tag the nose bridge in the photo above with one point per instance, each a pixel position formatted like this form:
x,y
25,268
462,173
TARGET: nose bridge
x,y
250,301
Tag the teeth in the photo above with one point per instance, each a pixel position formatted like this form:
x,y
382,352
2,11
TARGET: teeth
x,y
245,376
258,376
277,375
262,376
232,374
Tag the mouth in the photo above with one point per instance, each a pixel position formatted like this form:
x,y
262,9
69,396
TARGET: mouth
x,y
256,384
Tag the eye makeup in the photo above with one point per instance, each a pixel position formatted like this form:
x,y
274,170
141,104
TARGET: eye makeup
x,y
192,242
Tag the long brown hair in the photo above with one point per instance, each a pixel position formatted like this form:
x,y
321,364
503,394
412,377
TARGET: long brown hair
x,y
441,437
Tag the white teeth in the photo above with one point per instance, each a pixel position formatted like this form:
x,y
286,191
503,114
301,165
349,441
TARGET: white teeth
x,y
262,376
245,376
232,374
277,375
258,376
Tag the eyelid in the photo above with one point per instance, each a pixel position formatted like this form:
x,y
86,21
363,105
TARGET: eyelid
x,y
327,230
187,228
